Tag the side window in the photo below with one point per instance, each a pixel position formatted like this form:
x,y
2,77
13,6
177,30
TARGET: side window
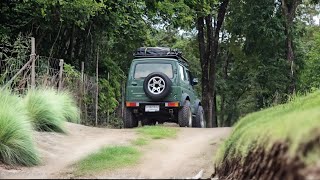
x,y
190,77
182,72
187,75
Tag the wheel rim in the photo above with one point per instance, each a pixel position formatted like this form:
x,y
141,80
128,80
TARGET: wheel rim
x,y
156,85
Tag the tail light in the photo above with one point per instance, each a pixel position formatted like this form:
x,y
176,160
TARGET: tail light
x,y
132,104
172,104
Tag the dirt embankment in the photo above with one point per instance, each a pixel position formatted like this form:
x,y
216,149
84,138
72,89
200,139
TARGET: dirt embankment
x,y
275,164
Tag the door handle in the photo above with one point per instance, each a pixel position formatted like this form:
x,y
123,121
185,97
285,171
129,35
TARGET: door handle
x,y
134,84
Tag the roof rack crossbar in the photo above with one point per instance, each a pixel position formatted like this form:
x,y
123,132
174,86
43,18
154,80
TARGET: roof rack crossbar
x,y
160,52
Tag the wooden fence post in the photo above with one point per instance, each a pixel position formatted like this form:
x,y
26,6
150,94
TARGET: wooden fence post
x,y
81,97
33,64
97,90
123,92
108,111
82,70
60,75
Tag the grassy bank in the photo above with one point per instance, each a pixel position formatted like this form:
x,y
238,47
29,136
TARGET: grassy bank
x,y
295,124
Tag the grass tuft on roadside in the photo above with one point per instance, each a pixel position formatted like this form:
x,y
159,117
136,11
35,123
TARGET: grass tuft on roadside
x,y
45,110
108,158
140,141
296,123
157,132
49,109
16,140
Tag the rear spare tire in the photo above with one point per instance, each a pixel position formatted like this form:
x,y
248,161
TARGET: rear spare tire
x,y
157,86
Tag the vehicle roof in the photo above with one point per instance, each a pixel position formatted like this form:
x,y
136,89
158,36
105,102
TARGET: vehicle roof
x,y
158,59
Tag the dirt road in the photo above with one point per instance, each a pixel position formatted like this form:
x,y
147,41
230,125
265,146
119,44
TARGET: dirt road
x,y
182,157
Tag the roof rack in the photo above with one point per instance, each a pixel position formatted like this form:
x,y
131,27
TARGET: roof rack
x,y
159,52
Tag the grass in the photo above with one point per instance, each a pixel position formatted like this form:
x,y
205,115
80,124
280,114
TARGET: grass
x,y
70,110
110,158
140,141
16,142
49,109
107,159
157,132
294,122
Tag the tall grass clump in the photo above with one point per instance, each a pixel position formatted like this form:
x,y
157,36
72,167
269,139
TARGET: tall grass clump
x,y
70,109
44,109
16,142
49,109
295,123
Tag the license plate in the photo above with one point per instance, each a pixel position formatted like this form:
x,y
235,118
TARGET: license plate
x,y
152,108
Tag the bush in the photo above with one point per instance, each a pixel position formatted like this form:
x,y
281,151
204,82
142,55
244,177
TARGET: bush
x,y
49,109
16,145
70,110
45,110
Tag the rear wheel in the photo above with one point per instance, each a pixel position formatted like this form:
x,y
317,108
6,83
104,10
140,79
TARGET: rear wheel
x,y
185,115
129,121
199,120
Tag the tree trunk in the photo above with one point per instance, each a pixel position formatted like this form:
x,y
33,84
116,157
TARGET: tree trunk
x,y
223,96
208,56
204,68
215,47
289,12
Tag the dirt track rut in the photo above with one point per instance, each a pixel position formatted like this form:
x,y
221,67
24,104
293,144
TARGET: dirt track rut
x,y
191,151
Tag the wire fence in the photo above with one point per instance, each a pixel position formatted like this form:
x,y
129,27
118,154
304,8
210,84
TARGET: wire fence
x,y
19,69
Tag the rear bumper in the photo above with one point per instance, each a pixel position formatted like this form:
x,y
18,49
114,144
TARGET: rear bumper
x,y
166,113
162,105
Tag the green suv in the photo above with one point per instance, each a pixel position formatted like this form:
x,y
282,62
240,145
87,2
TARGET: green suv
x,y
160,89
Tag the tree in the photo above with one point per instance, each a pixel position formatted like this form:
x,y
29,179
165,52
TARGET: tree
x,y
202,15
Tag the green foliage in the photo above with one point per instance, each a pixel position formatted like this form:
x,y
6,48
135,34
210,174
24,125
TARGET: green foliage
x,y
14,53
157,132
108,158
49,110
294,123
16,141
310,74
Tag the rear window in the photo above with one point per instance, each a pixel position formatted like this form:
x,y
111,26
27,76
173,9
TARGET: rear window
x,y
143,70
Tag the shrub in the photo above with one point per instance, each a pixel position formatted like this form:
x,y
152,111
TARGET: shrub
x,y
70,110
16,144
45,110
49,109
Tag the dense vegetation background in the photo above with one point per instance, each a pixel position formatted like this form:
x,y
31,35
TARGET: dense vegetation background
x,y
249,54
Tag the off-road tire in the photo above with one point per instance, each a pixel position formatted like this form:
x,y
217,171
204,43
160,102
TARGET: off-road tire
x,y
129,121
166,91
199,120
185,115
